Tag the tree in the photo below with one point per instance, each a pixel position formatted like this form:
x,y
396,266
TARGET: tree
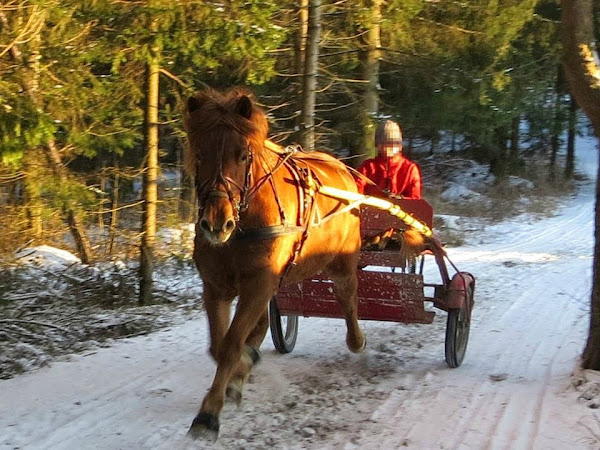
x,y
150,186
31,49
370,55
311,67
190,43
582,71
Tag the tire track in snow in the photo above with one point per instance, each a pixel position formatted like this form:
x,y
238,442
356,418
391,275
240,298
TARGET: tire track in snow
x,y
529,356
518,424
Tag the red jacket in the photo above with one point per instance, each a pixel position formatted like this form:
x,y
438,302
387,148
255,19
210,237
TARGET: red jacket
x,y
397,175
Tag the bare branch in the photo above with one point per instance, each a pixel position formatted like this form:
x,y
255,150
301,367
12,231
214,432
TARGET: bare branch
x,y
33,322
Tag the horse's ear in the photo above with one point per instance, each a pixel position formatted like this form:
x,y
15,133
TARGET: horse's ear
x,y
193,104
244,107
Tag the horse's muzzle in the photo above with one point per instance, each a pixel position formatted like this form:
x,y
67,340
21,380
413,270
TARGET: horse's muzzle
x,y
217,232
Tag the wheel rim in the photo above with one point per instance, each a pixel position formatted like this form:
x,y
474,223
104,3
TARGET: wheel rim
x,y
457,330
289,326
284,328
462,332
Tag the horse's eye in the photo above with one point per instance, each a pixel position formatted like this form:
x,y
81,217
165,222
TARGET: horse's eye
x,y
244,157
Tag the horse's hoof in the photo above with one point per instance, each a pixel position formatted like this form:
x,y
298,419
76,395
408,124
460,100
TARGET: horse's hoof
x,y
254,354
357,349
234,393
205,426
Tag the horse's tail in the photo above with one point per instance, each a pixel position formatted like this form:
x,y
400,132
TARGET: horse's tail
x,y
413,243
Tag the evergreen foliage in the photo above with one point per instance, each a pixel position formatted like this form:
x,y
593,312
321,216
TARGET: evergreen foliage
x,y
471,70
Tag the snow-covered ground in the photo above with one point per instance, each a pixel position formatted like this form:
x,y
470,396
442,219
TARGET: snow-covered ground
x,y
513,391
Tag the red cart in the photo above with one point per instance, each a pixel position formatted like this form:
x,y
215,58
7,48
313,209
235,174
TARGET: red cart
x,y
385,292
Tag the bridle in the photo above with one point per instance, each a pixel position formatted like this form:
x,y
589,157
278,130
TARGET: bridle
x,y
220,185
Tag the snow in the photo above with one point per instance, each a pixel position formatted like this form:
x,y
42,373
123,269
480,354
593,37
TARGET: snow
x,y
514,390
455,192
46,256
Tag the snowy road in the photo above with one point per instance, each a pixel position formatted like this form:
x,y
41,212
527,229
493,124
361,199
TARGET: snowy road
x,y
512,391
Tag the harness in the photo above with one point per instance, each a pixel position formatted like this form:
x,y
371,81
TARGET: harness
x,y
307,184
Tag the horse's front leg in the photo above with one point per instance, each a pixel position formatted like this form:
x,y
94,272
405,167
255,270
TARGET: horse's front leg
x,y
217,304
250,358
252,304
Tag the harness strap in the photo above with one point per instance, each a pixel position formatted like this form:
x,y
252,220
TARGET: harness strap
x,y
307,186
271,232
279,206
269,174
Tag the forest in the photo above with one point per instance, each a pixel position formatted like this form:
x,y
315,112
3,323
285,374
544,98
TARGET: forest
x,y
91,95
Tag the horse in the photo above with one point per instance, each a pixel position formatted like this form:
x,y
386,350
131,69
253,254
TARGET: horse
x,y
261,223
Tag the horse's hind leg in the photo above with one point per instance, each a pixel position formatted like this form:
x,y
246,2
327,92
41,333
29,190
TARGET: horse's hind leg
x,y
343,273
249,359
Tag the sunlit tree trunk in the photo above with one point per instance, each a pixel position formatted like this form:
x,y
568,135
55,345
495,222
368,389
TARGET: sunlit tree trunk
x,y
311,67
150,185
583,74
370,56
300,56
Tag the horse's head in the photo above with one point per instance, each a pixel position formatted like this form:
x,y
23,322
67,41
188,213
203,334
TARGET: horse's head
x,y
224,132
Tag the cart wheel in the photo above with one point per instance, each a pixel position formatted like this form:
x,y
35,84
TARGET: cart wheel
x,y
457,331
283,335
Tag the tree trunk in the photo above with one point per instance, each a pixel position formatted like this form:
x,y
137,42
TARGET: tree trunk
x,y
300,58
32,182
557,126
103,201
150,184
453,142
370,56
311,67
31,87
583,75
187,191
435,138
591,353
114,209
570,162
514,139
581,69
73,219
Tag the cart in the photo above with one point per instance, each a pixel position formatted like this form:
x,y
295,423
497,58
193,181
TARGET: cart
x,y
387,293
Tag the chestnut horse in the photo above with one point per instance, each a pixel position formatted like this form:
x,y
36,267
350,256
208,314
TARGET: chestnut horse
x,y
261,223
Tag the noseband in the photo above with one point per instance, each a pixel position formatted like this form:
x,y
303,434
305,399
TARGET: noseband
x,y
211,187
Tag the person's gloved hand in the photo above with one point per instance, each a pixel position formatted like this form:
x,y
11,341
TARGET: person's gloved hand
x,y
394,196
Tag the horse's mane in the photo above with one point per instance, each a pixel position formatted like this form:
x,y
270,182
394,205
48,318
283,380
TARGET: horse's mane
x,y
212,109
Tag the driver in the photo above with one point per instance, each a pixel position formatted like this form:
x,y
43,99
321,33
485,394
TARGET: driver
x,y
391,172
